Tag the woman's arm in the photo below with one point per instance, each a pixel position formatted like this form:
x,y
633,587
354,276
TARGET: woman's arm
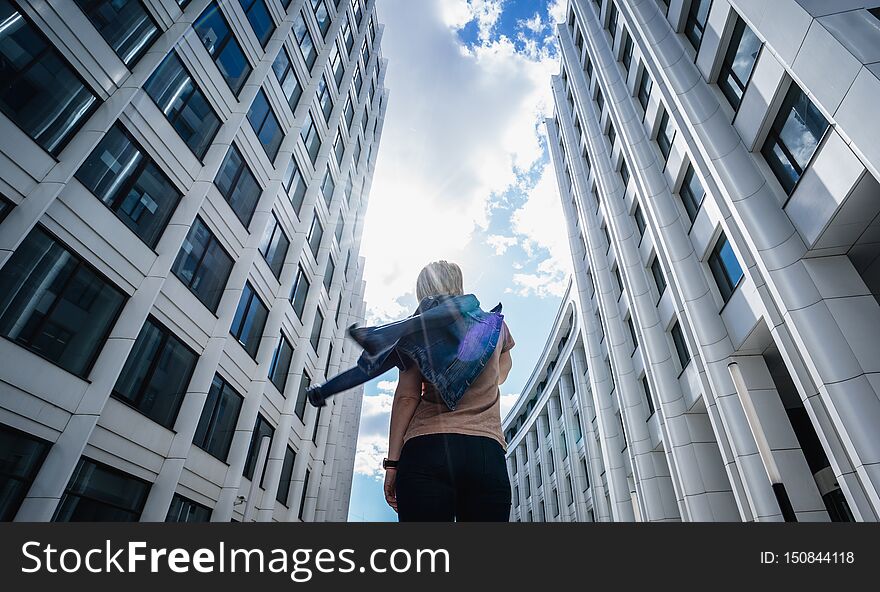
x,y
407,397
504,365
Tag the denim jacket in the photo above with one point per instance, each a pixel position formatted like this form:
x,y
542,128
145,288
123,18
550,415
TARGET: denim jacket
x,y
450,338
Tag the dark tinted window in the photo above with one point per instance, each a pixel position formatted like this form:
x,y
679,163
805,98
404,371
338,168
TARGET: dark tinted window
x,y
725,267
301,398
265,125
203,265
691,193
286,475
214,32
280,366
124,177
39,91
156,374
175,93
219,416
294,185
98,493
125,25
238,185
742,53
274,246
299,292
249,320
21,456
259,18
261,429
186,510
55,305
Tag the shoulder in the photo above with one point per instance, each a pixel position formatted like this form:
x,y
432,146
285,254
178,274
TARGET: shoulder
x,y
506,338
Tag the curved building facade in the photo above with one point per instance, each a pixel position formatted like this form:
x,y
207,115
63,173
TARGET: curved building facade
x,y
183,187
718,166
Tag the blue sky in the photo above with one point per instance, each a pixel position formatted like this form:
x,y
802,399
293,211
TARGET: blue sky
x,y
462,174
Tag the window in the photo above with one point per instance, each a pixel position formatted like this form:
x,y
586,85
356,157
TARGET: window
x,y
98,493
644,88
339,146
316,424
316,233
214,32
258,16
274,246
698,14
238,186
21,456
337,65
311,139
349,112
280,365
358,80
217,422
340,227
347,34
317,327
588,69
55,305
358,8
612,135
365,53
304,41
640,220
322,15
261,429
578,433
328,273
622,430
126,26
691,193
300,291
185,106
627,56
564,443
286,475
632,333
665,136
349,190
155,376
586,473
301,399
265,125
338,308
5,207
618,280
249,320
793,138
324,98
328,186
725,268
555,500
123,176
570,491
680,346
203,265
612,21
302,501
624,172
294,185
739,61
659,278
287,79
186,510
39,91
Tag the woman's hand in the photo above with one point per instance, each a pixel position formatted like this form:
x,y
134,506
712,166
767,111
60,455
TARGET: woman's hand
x,y
391,488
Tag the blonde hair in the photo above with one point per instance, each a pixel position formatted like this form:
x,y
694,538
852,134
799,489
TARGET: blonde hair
x,y
439,277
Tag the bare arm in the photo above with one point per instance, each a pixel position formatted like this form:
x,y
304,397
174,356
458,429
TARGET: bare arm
x,y
504,365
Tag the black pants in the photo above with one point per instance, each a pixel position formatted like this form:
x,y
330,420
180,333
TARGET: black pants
x,y
446,477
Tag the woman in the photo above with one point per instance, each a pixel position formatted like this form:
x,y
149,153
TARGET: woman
x,y
446,461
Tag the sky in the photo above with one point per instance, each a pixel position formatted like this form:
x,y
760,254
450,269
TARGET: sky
x,y
462,174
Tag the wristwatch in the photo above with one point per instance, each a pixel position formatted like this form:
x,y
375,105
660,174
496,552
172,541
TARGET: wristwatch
x,y
389,464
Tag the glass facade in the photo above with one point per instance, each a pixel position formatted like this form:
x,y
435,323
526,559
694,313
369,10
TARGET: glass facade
x,y
274,246
249,320
739,61
203,265
55,305
127,27
185,106
156,374
725,268
123,176
794,138
39,91
219,417
238,186
21,456
214,33
98,493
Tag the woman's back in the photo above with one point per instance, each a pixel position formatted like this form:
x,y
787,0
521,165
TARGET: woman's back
x,y
479,411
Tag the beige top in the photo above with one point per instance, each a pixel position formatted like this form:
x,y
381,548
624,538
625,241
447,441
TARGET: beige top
x,y
479,411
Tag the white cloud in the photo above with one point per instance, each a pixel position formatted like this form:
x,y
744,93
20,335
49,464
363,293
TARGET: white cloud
x,y
462,123
541,225
372,443
557,10
507,402
501,243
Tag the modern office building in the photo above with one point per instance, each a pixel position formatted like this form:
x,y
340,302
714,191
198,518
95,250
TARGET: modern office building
x,y
183,186
718,165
